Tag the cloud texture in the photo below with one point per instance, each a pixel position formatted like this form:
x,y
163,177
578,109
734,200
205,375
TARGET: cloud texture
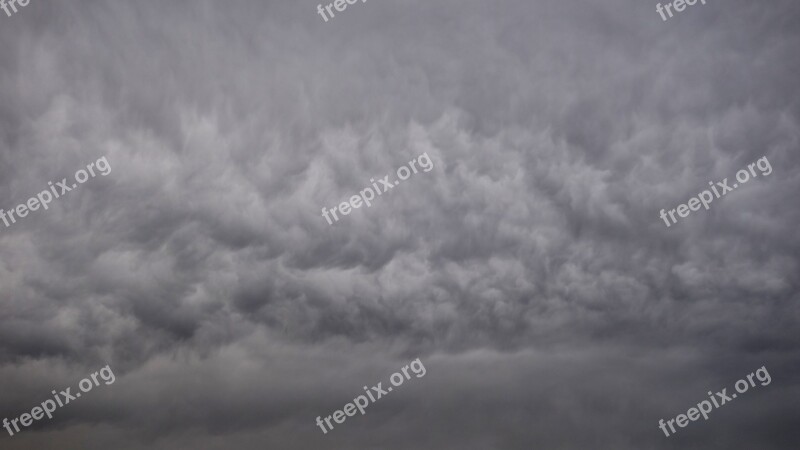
x,y
529,270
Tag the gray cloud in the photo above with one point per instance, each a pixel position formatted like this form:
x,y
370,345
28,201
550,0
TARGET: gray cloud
x,y
529,269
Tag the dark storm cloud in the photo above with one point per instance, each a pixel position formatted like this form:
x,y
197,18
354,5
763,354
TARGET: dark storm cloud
x,y
529,269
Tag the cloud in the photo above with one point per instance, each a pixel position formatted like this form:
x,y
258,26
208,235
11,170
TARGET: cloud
x,y
529,269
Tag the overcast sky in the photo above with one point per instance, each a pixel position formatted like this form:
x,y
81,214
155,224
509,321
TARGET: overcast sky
x,y
529,270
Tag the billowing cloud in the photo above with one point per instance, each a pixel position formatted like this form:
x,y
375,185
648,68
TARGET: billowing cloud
x,y
529,270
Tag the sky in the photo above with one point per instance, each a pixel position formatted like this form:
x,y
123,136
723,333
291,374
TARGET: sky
x,y
529,270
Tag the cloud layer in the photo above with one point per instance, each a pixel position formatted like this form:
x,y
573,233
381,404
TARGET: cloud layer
x,y
529,270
